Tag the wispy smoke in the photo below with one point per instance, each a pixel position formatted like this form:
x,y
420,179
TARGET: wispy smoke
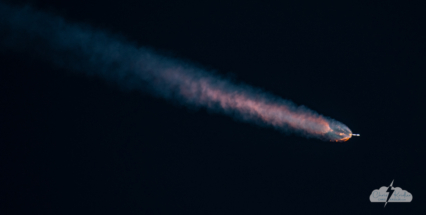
x,y
81,48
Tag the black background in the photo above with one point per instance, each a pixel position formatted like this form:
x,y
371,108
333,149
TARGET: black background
x,y
76,145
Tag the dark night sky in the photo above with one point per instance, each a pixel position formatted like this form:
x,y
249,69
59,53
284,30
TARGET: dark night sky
x,y
72,144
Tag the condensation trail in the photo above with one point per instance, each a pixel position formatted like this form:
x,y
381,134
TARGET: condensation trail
x,y
81,48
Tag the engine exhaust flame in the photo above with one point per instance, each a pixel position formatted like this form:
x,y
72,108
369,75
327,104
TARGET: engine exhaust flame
x,y
83,49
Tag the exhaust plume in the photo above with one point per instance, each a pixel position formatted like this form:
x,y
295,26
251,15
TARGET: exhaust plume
x,y
80,48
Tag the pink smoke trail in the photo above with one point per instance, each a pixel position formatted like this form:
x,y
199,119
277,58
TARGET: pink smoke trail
x,y
83,49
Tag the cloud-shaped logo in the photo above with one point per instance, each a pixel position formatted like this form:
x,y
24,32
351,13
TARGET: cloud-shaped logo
x,y
390,194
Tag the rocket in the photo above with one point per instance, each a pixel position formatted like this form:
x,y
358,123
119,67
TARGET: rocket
x,y
356,135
